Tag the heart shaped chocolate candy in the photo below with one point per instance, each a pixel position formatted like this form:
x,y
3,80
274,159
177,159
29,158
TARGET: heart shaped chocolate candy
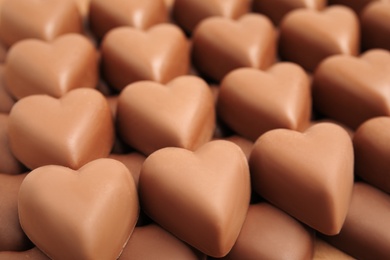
x,y
152,116
308,175
84,214
70,131
201,197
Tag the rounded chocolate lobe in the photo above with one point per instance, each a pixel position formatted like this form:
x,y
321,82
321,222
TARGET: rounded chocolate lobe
x,y
39,19
31,254
66,63
269,233
70,131
306,37
153,242
189,13
356,5
277,9
8,163
159,54
201,197
365,232
248,42
106,15
372,152
149,119
308,175
6,99
84,214
375,25
133,162
352,90
252,102
12,237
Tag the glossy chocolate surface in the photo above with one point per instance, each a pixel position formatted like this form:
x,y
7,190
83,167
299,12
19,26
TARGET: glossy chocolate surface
x,y
8,163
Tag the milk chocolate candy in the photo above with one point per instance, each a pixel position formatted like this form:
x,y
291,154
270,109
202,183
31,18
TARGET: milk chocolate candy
x,y
159,54
356,5
152,116
189,13
269,233
352,90
277,9
83,6
12,237
68,62
84,214
308,175
365,234
6,99
70,131
252,101
8,163
106,15
31,254
221,45
372,152
308,36
133,162
376,26
153,242
40,19
201,197
245,144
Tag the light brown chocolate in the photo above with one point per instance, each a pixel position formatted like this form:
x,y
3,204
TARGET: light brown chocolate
x,y
83,6
133,162
356,5
164,55
12,237
39,19
68,62
365,232
352,90
277,9
6,99
372,152
8,163
106,15
252,102
201,197
153,242
152,116
84,214
221,45
245,144
308,36
269,233
375,25
70,131
308,175
189,13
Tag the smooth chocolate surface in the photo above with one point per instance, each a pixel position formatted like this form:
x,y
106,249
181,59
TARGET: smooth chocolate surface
x,y
365,232
372,152
277,9
133,162
8,163
248,42
106,15
352,90
159,54
375,25
189,13
68,62
6,99
356,5
202,197
252,101
269,233
245,144
12,237
148,118
308,175
70,131
31,254
308,36
84,214
153,242
39,19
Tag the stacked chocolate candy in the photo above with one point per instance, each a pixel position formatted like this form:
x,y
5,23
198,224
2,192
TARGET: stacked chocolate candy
x,y
194,129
